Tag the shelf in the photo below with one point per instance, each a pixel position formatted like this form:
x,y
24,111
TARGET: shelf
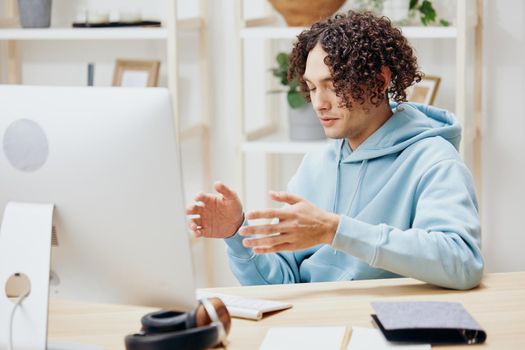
x,y
281,144
273,32
270,32
430,32
129,33
84,34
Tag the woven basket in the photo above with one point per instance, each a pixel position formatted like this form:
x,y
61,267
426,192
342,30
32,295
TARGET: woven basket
x,y
305,12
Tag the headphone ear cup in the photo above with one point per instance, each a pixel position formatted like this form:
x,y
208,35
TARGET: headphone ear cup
x,y
183,330
193,338
167,321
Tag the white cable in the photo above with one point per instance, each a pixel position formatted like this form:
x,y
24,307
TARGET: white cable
x,y
11,319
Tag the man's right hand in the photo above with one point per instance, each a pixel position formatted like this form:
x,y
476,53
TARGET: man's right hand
x,y
220,215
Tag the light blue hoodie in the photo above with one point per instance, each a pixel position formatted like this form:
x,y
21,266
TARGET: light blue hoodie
x,y
407,207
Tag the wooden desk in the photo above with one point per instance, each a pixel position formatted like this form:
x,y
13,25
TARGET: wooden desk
x,y
498,304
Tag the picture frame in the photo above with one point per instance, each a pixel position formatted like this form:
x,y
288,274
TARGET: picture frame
x,y
136,73
425,91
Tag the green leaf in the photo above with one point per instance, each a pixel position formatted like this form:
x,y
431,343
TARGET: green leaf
x,y
275,91
294,84
295,99
428,13
282,60
413,4
444,22
281,72
276,72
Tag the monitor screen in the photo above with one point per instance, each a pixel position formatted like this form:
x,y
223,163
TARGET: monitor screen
x,y
107,158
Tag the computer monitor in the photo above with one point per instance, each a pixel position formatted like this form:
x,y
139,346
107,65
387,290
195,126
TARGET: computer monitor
x,y
108,159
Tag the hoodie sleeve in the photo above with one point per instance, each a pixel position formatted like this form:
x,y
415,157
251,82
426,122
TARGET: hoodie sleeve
x,y
443,245
256,269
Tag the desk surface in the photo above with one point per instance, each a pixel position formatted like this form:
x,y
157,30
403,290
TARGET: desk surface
x,y
498,304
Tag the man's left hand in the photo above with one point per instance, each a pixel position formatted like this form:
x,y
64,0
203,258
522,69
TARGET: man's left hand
x,y
301,225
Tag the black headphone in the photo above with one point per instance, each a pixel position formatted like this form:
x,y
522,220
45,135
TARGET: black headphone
x,y
164,330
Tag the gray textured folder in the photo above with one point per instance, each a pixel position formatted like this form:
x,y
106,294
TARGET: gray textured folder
x,y
427,322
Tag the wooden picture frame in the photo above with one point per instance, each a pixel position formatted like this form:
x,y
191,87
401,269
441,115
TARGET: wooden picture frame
x,y
136,73
425,91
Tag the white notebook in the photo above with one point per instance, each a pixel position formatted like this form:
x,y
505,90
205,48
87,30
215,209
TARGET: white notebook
x,y
371,338
304,338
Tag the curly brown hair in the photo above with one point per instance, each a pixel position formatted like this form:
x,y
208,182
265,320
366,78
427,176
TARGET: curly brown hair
x,y
358,44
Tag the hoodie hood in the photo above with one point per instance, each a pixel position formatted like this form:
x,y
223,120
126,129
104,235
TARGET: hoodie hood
x,y
410,123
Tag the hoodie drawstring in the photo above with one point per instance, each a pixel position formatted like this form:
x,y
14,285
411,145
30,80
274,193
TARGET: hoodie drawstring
x,y
361,175
337,169
362,172
336,189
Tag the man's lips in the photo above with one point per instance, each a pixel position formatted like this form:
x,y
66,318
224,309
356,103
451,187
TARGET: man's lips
x,y
327,121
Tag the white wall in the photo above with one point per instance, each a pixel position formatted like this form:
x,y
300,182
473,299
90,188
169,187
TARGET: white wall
x,y
503,139
223,136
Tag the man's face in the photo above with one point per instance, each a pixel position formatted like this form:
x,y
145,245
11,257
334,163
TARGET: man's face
x,y
338,122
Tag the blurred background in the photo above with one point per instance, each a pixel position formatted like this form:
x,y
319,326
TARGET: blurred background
x,y
219,58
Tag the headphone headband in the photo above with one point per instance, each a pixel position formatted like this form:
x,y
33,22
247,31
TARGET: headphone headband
x,y
210,309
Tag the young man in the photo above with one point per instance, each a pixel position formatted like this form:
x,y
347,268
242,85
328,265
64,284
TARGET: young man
x,y
389,197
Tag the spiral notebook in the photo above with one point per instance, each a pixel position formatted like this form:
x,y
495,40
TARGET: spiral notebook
x,y
428,322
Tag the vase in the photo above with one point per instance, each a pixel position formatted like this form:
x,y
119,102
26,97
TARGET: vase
x,y
304,125
305,12
35,13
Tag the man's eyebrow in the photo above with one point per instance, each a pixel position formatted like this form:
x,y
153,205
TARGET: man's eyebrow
x,y
323,80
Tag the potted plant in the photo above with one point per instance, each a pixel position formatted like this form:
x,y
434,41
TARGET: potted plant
x,y
303,121
403,12
427,13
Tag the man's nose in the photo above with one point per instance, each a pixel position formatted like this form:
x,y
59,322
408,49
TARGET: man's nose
x,y
320,102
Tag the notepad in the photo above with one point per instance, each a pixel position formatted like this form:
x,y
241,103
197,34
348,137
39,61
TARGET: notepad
x,y
305,338
370,338
434,322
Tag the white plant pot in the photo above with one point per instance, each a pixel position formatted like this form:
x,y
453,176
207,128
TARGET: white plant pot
x,y
304,124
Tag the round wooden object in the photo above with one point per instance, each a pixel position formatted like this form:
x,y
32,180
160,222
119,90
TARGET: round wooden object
x,y
305,12
202,317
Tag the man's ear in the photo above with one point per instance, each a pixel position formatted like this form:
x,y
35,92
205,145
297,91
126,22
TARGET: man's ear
x,y
386,73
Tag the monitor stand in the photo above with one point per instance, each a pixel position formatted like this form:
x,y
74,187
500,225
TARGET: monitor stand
x,y
25,250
